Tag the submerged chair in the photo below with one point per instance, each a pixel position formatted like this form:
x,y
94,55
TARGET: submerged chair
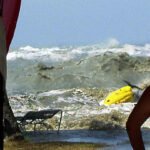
x,y
38,117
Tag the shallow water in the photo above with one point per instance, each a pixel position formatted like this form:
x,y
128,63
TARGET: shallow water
x,y
111,139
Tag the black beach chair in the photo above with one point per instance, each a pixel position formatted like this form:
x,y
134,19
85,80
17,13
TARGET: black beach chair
x,y
38,117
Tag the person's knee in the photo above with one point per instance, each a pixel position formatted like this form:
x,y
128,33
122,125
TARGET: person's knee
x,y
129,125
132,126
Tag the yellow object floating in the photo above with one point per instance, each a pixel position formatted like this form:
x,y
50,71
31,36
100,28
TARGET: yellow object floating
x,y
124,94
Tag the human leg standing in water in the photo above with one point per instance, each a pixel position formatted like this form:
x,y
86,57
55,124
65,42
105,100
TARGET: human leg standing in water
x,y
138,116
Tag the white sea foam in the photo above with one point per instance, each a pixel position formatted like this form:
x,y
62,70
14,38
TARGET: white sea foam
x,y
87,106
30,53
53,92
64,54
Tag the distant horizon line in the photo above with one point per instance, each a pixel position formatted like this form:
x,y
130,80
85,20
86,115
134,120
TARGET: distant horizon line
x,y
104,43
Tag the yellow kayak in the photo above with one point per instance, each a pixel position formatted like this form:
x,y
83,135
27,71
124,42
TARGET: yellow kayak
x,y
124,94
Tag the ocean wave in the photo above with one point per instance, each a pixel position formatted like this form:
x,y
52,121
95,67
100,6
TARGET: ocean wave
x,y
59,54
106,70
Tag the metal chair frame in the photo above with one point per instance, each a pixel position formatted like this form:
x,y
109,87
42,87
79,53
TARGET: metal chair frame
x,y
38,117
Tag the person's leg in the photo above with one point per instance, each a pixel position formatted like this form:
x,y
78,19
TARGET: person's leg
x,y
137,117
3,49
2,74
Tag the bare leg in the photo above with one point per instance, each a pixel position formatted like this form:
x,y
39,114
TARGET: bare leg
x,y
138,116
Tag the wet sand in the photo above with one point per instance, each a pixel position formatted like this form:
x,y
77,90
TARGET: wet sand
x,y
116,139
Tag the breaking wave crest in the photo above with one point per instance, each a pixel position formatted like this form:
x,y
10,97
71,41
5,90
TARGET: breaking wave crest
x,y
59,54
